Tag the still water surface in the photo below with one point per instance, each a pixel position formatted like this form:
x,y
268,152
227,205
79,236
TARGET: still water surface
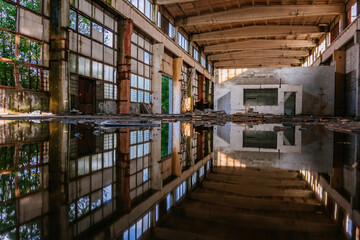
x,y
84,181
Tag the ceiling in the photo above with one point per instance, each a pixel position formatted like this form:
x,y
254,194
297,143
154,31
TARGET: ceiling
x,y
255,33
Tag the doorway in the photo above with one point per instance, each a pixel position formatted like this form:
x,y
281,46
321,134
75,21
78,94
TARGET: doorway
x,y
289,103
166,95
86,95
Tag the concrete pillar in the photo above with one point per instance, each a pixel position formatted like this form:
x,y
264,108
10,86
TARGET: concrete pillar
x,y
357,64
176,166
191,79
123,171
177,64
59,74
339,59
156,181
158,52
125,29
58,155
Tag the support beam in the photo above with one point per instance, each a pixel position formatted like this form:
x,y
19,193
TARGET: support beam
x,y
257,13
259,44
258,54
165,2
257,31
257,61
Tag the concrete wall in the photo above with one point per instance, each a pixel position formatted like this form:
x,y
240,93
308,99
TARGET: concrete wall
x,y
13,100
316,96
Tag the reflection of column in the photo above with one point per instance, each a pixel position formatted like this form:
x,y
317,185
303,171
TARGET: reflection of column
x,y
125,29
123,171
156,181
339,59
176,166
158,52
336,180
58,162
200,145
177,64
59,97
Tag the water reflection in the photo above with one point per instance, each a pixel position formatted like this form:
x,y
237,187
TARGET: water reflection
x,y
68,181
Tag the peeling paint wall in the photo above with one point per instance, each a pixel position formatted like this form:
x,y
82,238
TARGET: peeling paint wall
x,y
13,100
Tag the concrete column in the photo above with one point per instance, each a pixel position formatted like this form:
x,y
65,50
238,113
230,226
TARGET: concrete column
x,y
158,52
177,64
176,166
58,162
339,59
357,64
191,79
123,171
125,29
59,74
156,181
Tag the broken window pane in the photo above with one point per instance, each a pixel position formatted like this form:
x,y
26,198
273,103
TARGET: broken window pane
x,y
29,77
108,38
82,206
84,25
29,180
7,74
7,45
72,20
30,230
7,15
7,215
31,4
29,51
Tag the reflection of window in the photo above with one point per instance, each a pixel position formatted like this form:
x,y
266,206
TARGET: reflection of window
x,y
260,139
138,228
194,178
168,202
139,162
166,139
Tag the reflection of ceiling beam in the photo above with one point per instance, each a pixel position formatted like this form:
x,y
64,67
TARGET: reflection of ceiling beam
x,y
164,2
256,31
259,44
256,13
257,62
258,54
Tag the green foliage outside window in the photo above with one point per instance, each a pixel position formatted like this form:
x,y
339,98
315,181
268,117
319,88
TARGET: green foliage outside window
x,y
30,230
7,15
7,45
84,25
29,51
29,77
72,19
7,215
34,5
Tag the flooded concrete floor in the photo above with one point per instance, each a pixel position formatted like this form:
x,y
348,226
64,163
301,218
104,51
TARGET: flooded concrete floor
x,y
164,179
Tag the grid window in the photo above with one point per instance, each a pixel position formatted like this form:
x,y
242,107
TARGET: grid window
x,y
141,60
145,6
196,54
183,42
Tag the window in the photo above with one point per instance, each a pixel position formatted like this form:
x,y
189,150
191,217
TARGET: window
x,y
7,15
138,228
210,68
203,61
168,202
183,42
194,179
353,12
171,32
144,6
31,4
196,54
322,47
348,226
159,20
141,63
201,171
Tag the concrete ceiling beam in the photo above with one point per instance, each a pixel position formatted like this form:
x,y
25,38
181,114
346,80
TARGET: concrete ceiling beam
x,y
165,2
258,54
257,31
256,13
259,44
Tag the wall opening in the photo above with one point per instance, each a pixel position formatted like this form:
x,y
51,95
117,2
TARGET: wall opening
x,y
260,97
166,95
289,103
260,139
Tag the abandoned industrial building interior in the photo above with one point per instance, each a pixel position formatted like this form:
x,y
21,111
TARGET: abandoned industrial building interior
x,y
154,119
